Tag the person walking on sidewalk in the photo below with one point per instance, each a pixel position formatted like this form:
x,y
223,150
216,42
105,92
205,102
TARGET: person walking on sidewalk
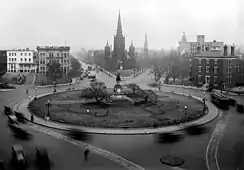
x,y
86,152
26,92
159,85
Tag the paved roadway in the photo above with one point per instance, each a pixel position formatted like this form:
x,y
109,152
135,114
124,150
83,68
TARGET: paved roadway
x,y
64,155
144,150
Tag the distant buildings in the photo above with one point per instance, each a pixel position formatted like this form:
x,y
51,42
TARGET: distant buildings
x,y
199,46
21,61
48,54
217,68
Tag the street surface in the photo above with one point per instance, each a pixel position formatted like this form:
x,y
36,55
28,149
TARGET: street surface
x,y
63,155
144,150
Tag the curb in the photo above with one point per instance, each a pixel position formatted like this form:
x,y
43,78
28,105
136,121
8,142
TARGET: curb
x,y
110,131
6,90
58,85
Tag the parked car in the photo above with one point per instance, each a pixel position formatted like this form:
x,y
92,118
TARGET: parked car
x,y
207,87
92,76
12,119
18,156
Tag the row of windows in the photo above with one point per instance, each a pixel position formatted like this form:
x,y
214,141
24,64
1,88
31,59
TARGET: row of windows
x,y
216,69
14,54
207,79
229,61
57,54
12,59
59,61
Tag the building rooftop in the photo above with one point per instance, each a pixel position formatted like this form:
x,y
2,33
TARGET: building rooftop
x,y
211,54
53,47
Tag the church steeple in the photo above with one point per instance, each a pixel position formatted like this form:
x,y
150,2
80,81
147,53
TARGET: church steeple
x,y
145,44
119,26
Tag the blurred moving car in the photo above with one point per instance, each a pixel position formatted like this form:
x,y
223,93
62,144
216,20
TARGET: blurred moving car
x,y
18,156
42,157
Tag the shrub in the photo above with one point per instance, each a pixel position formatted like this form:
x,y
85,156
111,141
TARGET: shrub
x,y
172,160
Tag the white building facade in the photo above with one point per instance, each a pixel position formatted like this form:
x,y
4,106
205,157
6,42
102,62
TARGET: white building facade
x,y
21,61
59,54
199,46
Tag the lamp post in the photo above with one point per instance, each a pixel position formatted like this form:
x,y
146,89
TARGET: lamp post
x,y
204,101
48,105
185,109
183,88
239,90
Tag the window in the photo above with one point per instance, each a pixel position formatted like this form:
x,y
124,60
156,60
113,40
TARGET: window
x,y
199,78
25,54
238,69
67,54
199,61
229,61
207,61
215,62
25,59
228,69
229,79
64,55
21,59
43,54
215,80
29,60
207,68
199,68
9,59
21,54
9,54
29,54
216,69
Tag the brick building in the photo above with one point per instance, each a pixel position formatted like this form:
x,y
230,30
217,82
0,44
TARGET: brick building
x,y
46,54
217,68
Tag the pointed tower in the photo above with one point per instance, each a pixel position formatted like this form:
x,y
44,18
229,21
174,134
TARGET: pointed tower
x,y
184,46
107,50
119,44
145,45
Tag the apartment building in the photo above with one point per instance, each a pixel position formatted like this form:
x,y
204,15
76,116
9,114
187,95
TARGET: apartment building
x,y
21,60
47,54
199,46
220,70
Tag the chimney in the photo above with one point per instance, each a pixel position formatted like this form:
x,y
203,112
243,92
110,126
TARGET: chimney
x,y
225,50
232,51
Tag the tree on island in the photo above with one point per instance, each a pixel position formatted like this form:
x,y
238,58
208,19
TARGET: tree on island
x,y
2,69
97,91
54,71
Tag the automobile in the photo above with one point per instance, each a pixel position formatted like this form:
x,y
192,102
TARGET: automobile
x,y
207,87
12,119
93,80
18,156
92,76
42,157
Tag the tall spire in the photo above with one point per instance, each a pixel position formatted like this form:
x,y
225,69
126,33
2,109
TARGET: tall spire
x,y
145,45
107,44
119,26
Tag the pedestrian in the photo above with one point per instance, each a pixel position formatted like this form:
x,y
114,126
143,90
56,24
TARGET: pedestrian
x,y
32,118
159,86
86,152
26,92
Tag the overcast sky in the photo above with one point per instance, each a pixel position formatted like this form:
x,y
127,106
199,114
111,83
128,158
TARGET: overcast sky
x,y
90,23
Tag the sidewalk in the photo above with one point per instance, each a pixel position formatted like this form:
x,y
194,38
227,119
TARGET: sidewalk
x,y
58,85
212,114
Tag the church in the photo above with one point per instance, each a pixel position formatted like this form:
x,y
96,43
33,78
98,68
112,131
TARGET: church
x,y
120,58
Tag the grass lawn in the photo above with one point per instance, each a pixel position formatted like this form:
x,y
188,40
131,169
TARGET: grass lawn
x,y
40,79
121,113
179,82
